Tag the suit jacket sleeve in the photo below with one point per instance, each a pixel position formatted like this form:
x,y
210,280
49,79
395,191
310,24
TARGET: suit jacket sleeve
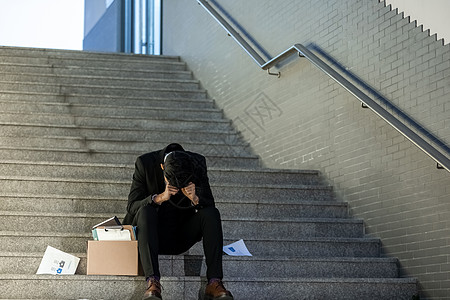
x,y
139,193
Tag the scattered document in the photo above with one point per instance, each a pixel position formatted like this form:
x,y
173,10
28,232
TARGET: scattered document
x,y
237,249
111,234
57,262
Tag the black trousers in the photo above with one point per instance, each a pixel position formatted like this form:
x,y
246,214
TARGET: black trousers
x,y
154,238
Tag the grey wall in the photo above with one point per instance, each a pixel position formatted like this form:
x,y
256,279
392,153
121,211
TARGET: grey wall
x,y
93,11
304,120
107,33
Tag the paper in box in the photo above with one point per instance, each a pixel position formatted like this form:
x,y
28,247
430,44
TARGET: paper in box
x,y
113,257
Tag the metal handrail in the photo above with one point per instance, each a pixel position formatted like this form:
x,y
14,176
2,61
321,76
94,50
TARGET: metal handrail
x,y
441,159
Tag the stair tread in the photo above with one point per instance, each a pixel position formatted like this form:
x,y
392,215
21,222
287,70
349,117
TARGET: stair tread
x,y
50,66
65,104
124,79
134,152
69,95
236,219
88,235
244,201
93,86
122,181
195,278
118,165
237,258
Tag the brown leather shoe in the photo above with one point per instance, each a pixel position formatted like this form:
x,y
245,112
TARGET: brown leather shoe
x,y
216,291
153,291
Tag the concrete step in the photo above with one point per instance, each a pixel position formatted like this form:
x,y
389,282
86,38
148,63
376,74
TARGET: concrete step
x,y
305,246
122,130
34,241
114,142
128,156
148,101
83,114
74,80
244,267
175,288
48,69
46,186
123,171
61,53
249,227
112,206
141,64
122,91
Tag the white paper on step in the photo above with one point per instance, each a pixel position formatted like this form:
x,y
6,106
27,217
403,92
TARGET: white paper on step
x,y
237,249
57,262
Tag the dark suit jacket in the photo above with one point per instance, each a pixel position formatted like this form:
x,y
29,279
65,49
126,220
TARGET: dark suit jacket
x,y
148,180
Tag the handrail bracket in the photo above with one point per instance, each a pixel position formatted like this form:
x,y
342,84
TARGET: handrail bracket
x,y
274,74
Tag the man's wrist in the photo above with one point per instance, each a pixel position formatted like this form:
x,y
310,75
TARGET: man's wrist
x,y
154,199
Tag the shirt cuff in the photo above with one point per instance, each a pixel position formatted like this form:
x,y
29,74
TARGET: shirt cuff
x,y
153,199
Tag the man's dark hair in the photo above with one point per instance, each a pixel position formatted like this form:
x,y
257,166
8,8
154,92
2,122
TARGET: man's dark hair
x,y
178,169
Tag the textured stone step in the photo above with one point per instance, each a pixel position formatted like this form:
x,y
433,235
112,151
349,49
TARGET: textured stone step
x,y
220,132
118,188
230,159
272,193
122,171
305,246
238,208
176,288
148,101
8,53
73,80
77,112
32,241
119,139
86,71
61,53
145,63
244,267
245,228
122,91
80,115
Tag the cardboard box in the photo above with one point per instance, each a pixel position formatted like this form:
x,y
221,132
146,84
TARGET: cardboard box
x,y
112,258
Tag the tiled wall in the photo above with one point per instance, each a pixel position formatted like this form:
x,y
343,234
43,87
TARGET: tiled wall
x,y
304,120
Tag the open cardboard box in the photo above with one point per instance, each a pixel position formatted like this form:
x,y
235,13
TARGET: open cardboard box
x,y
113,257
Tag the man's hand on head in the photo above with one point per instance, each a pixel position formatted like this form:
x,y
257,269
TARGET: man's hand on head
x,y
168,192
189,191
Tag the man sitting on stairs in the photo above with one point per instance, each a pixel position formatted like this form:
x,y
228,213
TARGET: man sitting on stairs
x,y
172,205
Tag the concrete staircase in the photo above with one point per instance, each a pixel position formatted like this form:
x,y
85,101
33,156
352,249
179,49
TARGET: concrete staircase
x,y
72,125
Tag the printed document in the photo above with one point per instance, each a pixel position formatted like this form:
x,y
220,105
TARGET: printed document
x,y
237,249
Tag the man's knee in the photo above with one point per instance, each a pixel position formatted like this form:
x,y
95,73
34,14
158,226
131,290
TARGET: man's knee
x,y
209,214
146,215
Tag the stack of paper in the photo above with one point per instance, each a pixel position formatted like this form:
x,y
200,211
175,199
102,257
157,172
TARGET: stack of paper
x,y
111,234
113,230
